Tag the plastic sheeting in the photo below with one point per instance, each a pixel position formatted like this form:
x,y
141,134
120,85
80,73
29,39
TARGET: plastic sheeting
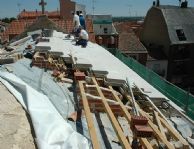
x,y
62,99
52,131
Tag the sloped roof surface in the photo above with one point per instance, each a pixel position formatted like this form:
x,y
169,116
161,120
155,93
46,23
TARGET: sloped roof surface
x,y
19,26
179,18
128,41
16,27
41,23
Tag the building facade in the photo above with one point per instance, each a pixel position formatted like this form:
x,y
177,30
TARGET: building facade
x,y
105,32
62,18
170,29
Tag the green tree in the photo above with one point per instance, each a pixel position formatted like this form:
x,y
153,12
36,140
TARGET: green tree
x,y
8,20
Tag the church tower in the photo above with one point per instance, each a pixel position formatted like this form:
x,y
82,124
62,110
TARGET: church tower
x,y
66,7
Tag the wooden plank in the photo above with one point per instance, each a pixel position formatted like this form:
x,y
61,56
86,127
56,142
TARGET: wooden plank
x,y
127,115
160,127
175,134
157,133
155,129
89,117
123,140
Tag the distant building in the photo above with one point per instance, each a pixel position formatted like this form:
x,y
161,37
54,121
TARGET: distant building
x,y
32,15
105,32
3,26
170,30
68,6
129,43
62,18
157,61
65,12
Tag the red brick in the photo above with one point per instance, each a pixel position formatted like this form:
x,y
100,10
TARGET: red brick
x,y
79,75
39,59
143,131
139,120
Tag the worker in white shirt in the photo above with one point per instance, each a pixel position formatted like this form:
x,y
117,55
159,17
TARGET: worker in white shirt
x,y
83,37
76,22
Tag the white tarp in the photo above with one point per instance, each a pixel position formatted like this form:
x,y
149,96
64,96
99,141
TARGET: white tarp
x,y
52,131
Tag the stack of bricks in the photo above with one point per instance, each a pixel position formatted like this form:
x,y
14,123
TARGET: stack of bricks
x,y
140,127
42,63
79,76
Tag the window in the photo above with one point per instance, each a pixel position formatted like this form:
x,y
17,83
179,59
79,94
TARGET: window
x,y
105,30
180,34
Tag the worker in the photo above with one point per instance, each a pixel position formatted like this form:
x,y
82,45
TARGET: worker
x,y
83,37
76,23
82,21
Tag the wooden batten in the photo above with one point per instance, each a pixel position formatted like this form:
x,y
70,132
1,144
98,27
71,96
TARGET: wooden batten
x,y
116,126
127,115
89,117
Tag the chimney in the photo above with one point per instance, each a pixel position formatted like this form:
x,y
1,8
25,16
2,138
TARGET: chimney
x,y
154,3
66,7
184,4
157,3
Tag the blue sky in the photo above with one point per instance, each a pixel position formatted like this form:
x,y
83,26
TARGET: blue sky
x,y
9,8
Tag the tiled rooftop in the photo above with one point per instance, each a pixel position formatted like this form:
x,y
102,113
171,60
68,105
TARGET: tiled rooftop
x,y
128,41
35,14
15,28
18,26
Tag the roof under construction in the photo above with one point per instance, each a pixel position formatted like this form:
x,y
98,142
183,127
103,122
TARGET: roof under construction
x,y
87,98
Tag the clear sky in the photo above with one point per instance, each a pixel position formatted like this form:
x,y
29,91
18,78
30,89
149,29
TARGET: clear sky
x,y
10,8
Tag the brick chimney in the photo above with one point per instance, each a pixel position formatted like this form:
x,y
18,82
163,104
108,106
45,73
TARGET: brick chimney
x,y
66,7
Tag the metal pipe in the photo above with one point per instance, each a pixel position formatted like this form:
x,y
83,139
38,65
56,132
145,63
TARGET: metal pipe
x,y
133,99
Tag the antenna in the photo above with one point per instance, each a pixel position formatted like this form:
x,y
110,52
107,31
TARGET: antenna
x,y
19,4
93,6
129,7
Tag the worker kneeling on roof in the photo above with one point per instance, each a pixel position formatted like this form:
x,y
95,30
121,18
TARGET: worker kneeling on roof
x,y
83,37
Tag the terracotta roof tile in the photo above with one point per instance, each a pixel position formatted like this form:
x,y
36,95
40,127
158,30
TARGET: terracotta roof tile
x,y
67,25
18,26
15,28
128,41
35,14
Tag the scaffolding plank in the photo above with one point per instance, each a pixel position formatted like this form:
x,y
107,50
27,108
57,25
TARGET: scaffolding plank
x,y
115,123
89,117
127,115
